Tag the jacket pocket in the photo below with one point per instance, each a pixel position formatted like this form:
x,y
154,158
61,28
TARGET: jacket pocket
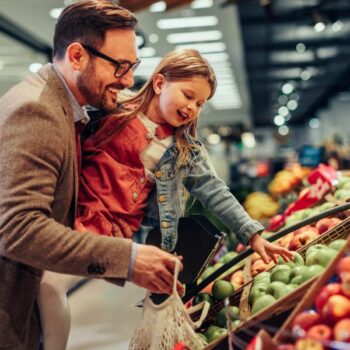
x,y
18,291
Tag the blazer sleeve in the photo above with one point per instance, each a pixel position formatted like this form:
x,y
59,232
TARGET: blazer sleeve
x,y
33,151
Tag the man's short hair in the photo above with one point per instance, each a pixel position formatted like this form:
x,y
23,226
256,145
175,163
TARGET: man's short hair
x,y
87,21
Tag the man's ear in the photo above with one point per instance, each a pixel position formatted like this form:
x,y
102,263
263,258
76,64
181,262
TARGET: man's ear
x,y
76,56
158,82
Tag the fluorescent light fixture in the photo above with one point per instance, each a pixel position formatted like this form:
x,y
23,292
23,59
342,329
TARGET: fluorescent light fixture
x,y
314,123
300,47
287,88
208,35
217,57
153,38
201,4
319,27
283,111
337,26
292,105
187,22
305,75
204,48
55,12
159,6
147,52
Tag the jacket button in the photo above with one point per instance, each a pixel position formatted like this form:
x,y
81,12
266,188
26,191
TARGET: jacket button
x,y
142,180
158,174
162,198
91,269
135,195
165,224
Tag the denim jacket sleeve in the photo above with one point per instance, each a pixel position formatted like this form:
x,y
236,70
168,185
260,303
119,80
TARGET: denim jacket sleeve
x,y
203,183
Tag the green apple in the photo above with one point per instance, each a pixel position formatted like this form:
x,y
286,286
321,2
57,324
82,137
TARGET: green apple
x,y
202,297
222,289
313,248
217,334
263,277
279,289
210,330
321,257
227,257
297,280
337,244
298,260
203,336
263,302
281,275
257,291
311,271
297,271
221,319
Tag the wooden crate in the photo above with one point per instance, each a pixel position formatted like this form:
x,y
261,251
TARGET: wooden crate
x,y
308,300
284,305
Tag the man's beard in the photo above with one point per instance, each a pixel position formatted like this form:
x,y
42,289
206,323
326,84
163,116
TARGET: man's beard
x,y
93,91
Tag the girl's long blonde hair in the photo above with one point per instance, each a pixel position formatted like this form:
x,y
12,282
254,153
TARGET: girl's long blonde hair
x,y
177,65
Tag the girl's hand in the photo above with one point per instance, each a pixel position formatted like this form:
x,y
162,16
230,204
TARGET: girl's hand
x,y
266,249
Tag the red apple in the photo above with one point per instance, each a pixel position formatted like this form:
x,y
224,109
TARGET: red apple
x,y
336,308
326,224
237,279
302,238
325,292
284,241
305,320
308,344
341,330
320,332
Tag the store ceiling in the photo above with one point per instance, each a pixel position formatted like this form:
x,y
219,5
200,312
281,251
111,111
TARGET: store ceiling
x,y
279,46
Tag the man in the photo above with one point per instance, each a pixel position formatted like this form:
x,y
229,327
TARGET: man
x,y
94,58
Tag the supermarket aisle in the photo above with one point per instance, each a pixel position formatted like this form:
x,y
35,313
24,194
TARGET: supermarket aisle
x,y
103,316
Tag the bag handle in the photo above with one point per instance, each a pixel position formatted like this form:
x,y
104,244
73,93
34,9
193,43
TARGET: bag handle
x,y
205,305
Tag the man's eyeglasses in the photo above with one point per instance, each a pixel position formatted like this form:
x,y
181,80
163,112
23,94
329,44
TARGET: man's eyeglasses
x,y
121,67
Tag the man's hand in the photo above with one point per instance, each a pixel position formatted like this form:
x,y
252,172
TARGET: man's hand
x,y
266,249
154,270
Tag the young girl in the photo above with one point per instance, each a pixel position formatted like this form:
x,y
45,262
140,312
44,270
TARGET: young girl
x,y
144,159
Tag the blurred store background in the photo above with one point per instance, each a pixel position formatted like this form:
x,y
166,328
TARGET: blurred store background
x,y
283,68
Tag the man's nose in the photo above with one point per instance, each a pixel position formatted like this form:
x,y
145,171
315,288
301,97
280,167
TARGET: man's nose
x,y
128,79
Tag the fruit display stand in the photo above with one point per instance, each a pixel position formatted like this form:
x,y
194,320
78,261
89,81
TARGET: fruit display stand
x,y
323,315
276,313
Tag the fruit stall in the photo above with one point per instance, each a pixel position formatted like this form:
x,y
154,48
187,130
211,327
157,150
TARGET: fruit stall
x,y
247,295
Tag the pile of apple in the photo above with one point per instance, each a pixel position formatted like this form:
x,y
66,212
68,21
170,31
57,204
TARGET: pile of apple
x,y
269,286
327,324
221,289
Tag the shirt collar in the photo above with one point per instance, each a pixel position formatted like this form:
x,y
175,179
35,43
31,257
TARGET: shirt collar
x,y
79,112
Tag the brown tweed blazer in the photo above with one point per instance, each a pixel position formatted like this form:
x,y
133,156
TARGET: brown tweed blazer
x,y
38,189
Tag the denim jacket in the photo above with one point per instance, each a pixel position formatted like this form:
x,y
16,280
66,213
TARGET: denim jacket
x,y
167,203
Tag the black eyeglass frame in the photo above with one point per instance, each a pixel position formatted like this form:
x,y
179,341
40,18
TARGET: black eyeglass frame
x,y
118,64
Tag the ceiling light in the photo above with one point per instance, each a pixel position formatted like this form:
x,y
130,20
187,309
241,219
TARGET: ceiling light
x,y
319,23
209,35
153,38
314,123
159,6
214,139
283,111
207,47
248,139
187,22
319,27
55,12
283,130
278,120
300,47
147,52
305,75
283,99
287,88
34,67
201,4
337,26
292,105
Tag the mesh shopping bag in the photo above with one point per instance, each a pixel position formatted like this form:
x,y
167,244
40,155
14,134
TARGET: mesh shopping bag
x,y
163,325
